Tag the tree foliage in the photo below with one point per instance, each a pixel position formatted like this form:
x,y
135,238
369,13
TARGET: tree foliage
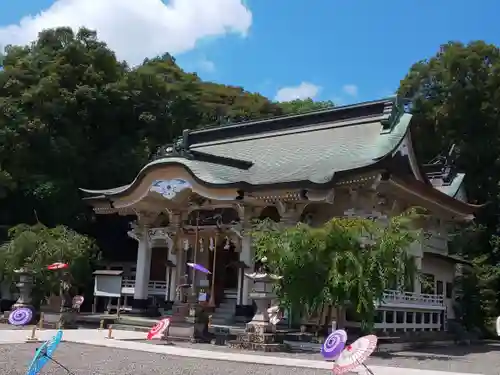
x,y
304,105
345,263
72,115
455,100
35,247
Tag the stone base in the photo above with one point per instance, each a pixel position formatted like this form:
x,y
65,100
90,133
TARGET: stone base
x,y
20,305
259,347
259,328
264,338
178,331
259,336
179,312
68,320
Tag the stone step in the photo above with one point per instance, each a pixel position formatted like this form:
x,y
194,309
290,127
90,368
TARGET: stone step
x,y
230,294
228,303
275,347
223,313
221,320
225,310
127,327
222,316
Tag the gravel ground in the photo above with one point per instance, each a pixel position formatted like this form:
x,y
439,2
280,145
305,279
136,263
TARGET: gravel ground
x,y
483,359
93,360
87,359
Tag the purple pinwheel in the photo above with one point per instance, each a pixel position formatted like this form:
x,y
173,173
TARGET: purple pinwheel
x,y
21,316
198,267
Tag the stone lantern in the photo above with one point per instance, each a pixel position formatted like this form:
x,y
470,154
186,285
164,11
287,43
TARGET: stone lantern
x,y
260,332
25,286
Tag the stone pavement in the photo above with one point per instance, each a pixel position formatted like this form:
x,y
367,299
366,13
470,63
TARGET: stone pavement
x,y
98,338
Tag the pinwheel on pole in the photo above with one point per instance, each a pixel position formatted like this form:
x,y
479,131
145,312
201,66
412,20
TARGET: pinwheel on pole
x,y
60,267
355,355
44,354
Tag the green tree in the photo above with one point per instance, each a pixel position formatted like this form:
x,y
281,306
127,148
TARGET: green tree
x,y
304,105
72,115
36,247
345,260
454,97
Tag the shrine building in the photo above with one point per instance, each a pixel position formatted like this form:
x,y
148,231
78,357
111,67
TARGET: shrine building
x,y
197,200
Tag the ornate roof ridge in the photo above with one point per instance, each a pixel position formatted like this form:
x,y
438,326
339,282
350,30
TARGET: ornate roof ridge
x,y
382,107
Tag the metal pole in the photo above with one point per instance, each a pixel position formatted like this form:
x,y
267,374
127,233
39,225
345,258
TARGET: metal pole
x,y
193,284
118,307
169,285
211,303
61,290
61,306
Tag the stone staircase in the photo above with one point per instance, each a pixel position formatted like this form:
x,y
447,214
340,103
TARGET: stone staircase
x,y
224,313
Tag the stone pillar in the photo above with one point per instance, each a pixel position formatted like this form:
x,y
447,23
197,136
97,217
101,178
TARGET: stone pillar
x,y
247,257
417,288
239,294
172,279
178,257
143,268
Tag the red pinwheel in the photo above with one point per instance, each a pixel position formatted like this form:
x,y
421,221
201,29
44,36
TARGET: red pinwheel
x,y
57,266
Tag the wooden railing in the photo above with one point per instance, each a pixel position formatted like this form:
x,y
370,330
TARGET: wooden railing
x,y
395,297
155,287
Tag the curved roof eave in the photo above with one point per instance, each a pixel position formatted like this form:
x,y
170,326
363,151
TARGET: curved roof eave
x,y
455,205
123,190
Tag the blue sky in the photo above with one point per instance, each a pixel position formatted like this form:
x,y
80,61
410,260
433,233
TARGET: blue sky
x,y
344,51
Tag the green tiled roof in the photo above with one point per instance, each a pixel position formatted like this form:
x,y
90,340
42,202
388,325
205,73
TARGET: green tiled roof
x,y
309,149
313,153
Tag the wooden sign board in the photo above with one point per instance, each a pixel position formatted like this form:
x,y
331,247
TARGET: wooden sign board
x,y
108,283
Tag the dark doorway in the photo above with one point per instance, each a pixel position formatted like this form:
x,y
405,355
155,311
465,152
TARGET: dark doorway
x,y
226,275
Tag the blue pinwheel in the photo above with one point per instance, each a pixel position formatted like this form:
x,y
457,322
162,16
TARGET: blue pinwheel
x,y
44,354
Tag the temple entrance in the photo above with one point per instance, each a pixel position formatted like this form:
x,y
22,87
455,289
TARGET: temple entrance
x,y
226,275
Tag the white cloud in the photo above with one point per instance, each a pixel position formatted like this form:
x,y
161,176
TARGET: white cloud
x,y
303,91
136,29
351,90
207,65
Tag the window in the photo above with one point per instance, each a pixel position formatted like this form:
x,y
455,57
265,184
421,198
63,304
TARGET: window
x,y
435,317
439,288
400,317
427,318
418,317
389,317
409,317
449,290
